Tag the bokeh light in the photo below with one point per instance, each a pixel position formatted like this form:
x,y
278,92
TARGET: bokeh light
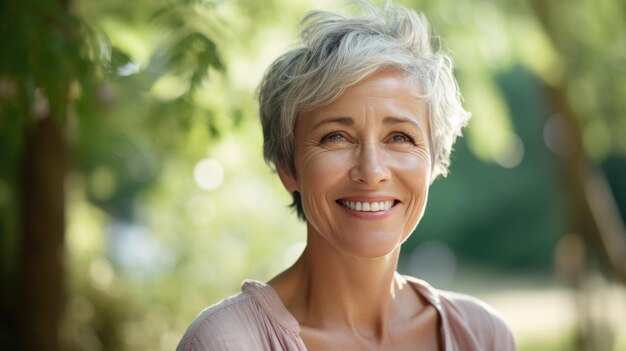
x,y
208,174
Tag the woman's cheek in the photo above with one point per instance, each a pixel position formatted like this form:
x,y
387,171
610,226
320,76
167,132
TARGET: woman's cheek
x,y
325,163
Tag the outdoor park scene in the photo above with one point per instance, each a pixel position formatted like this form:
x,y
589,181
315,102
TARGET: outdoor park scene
x,y
134,193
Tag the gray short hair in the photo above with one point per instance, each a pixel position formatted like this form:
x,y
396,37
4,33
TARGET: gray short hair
x,y
338,51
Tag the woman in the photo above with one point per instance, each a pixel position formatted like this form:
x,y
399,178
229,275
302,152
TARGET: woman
x,y
358,121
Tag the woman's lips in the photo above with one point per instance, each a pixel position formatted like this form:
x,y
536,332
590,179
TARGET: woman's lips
x,y
367,206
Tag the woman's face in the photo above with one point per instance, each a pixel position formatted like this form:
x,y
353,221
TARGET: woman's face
x,y
363,166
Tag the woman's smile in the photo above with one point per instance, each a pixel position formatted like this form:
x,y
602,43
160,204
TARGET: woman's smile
x,y
363,165
367,206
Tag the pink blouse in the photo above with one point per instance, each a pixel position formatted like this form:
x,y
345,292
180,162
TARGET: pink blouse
x,y
256,319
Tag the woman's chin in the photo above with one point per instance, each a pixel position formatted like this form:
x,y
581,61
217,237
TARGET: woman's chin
x,y
372,245
363,240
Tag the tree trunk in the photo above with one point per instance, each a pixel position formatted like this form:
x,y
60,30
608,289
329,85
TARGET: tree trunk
x,y
593,209
41,280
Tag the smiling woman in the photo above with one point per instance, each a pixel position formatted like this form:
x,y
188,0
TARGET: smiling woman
x,y
358,121
367,148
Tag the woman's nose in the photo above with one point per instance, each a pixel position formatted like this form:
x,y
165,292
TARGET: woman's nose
x,y
370,165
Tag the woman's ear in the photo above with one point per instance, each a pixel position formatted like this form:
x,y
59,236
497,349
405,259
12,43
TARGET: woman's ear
x,y
288,180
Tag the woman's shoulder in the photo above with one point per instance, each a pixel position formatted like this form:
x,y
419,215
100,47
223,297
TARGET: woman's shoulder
x,y
242,321
218,325
469,317
470,308
486,324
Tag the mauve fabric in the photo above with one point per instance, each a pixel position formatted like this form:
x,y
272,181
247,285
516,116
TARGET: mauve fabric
x,y
256,319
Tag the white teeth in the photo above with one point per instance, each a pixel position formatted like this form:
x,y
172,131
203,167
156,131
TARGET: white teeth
x,y
367,206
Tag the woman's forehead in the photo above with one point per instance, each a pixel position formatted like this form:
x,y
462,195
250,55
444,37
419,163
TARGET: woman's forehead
x,y
384,94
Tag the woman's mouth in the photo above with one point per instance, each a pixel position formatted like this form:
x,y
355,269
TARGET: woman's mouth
x,y
363,206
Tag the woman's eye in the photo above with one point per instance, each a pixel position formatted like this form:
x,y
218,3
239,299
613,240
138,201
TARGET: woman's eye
x,y
333,137
401,138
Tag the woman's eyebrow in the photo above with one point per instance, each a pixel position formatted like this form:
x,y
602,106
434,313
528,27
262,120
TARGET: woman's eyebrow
x,y
347,121
398,120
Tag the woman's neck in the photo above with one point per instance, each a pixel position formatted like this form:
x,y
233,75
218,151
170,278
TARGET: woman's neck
x,y
327,288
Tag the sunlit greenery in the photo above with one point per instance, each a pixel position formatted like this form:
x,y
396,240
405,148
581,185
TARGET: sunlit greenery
x,y
169,204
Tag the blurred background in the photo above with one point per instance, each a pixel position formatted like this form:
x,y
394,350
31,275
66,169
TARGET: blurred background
x,y
133,192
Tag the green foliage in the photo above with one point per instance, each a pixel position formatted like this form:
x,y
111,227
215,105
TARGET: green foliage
x,y
147,89
59,63
589,36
